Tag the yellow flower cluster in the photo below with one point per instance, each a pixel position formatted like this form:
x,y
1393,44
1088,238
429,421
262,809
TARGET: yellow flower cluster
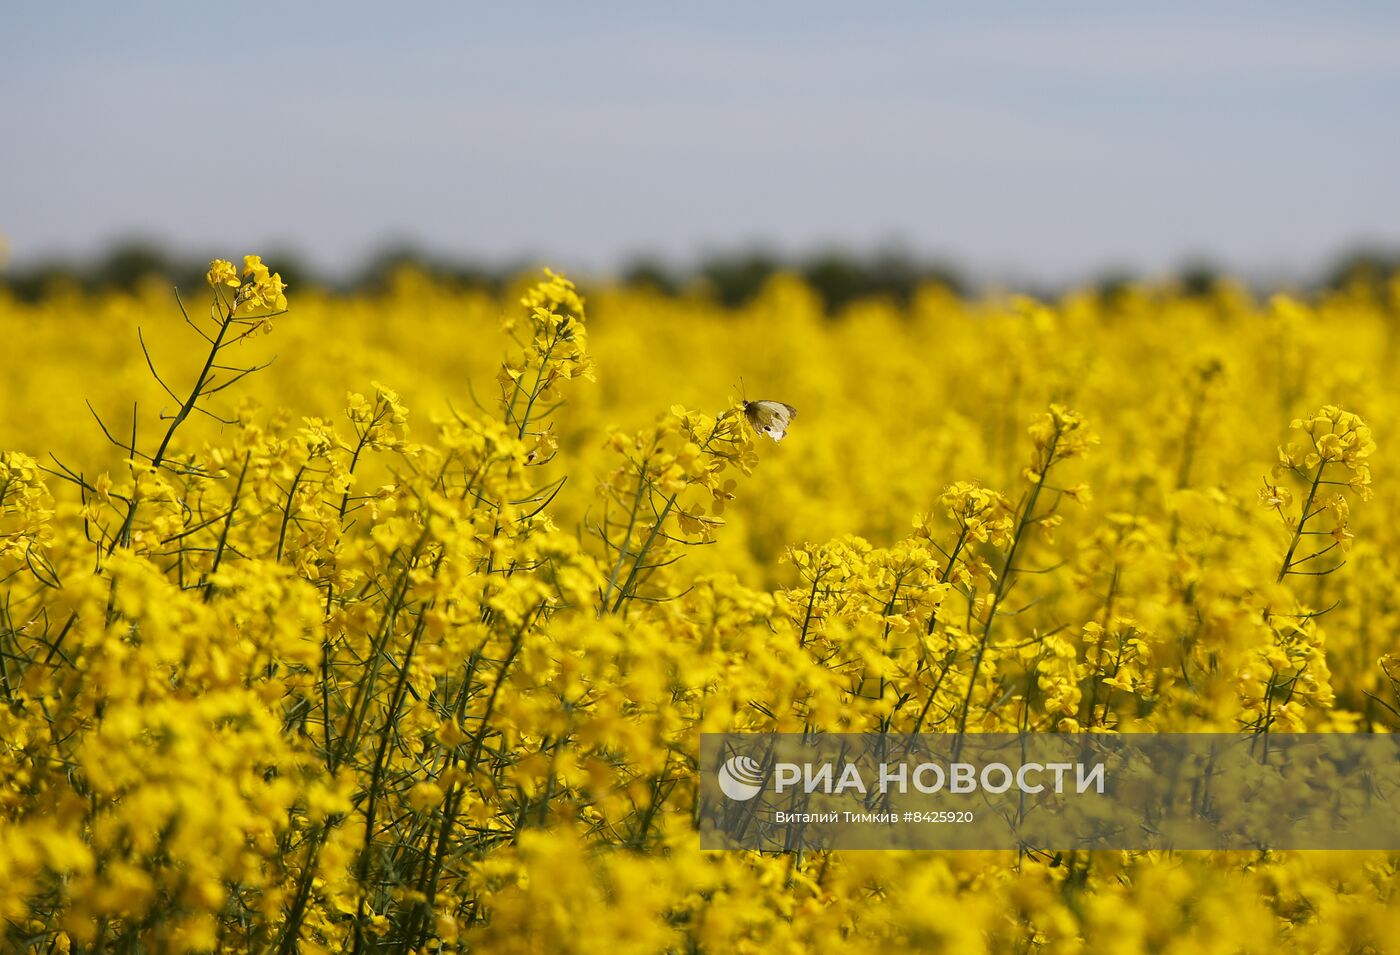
x,y
26,507
263,293
396,670
552,348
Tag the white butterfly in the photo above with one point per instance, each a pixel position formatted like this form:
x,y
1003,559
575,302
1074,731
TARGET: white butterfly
x,y
770,417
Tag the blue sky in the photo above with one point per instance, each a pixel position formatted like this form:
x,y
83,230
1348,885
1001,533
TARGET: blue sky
x,y
1047,141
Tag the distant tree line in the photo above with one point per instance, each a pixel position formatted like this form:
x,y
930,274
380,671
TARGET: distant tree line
x,y
732,278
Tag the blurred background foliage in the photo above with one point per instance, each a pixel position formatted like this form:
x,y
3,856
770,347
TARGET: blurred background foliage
x,y
730,277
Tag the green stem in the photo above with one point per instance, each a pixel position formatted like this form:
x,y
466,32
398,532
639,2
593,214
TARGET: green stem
x,y
1001,590
123,536
1303,516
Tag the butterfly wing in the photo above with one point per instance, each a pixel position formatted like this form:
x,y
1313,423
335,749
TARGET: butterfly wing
x,y
770,417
